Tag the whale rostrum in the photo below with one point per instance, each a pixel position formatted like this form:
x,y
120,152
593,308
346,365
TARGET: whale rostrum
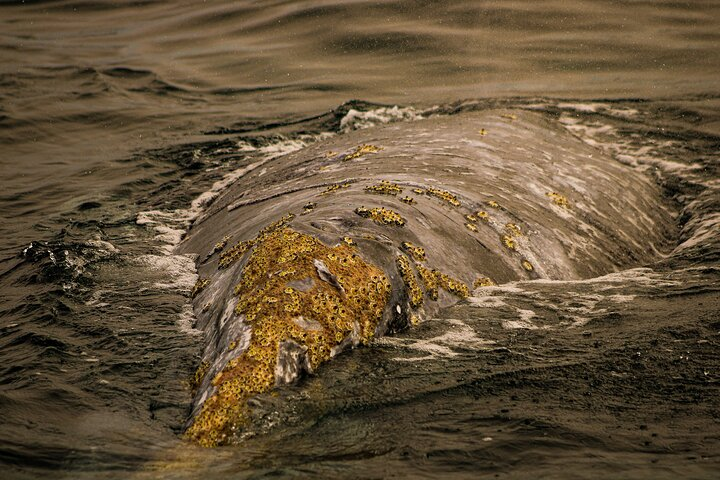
x,y
372,231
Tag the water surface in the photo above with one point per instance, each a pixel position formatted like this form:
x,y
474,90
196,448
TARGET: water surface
x,y
115,116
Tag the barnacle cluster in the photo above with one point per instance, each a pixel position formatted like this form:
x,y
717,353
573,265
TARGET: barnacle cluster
x,y
200,375
347,297
199,286
360,151
433,279
429,279
411,284
558,199
511,235
335,188
417,253
381,216
219,246
408,200
483,282
443,195
385,187
234,254
453,286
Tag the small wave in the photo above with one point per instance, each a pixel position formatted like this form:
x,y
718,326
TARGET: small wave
x,y
456,337
357,120
178,271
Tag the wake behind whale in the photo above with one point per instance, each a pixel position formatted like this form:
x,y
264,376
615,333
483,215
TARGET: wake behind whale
x,y
370,232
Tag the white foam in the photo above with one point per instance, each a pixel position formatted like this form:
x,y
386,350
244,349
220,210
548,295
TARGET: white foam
x,y
179,270
187,321
356,120
458,335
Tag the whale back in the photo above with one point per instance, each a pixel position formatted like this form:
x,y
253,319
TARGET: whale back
x,y
420,213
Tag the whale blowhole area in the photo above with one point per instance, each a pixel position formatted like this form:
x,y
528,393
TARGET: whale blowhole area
x,y
322,251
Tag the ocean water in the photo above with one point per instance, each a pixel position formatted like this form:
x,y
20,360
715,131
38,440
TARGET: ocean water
x,y
121,121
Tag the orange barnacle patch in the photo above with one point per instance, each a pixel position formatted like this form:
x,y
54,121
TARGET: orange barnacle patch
x,y
483,282
199,286
443,195
412,287
482,215
359,152
417,253
381,216
347,297
385,188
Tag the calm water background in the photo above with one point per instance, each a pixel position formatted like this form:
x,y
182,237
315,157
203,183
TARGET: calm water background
x,y
110,110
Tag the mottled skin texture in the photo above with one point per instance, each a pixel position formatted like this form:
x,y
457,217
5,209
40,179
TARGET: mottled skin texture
x,y
427,211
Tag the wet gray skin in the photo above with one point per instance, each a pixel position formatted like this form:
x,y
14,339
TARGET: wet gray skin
x,y
579,213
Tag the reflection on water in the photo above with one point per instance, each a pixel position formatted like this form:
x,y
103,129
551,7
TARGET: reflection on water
x,y
109,110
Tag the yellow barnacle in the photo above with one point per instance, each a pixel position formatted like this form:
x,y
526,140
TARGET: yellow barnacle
x,y
360,151
483,282
285,273
509,242
348,241
493,204
558,199
513,230
408,200
381,216
199,286
527,266
443,195
385,187
453,286
482,132
220,245
417,253
200,374
334,188
471,218
411,284
482,215
430,281
419,191
471,227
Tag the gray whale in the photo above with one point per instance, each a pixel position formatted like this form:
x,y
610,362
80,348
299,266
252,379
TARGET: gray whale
x,y
372,231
